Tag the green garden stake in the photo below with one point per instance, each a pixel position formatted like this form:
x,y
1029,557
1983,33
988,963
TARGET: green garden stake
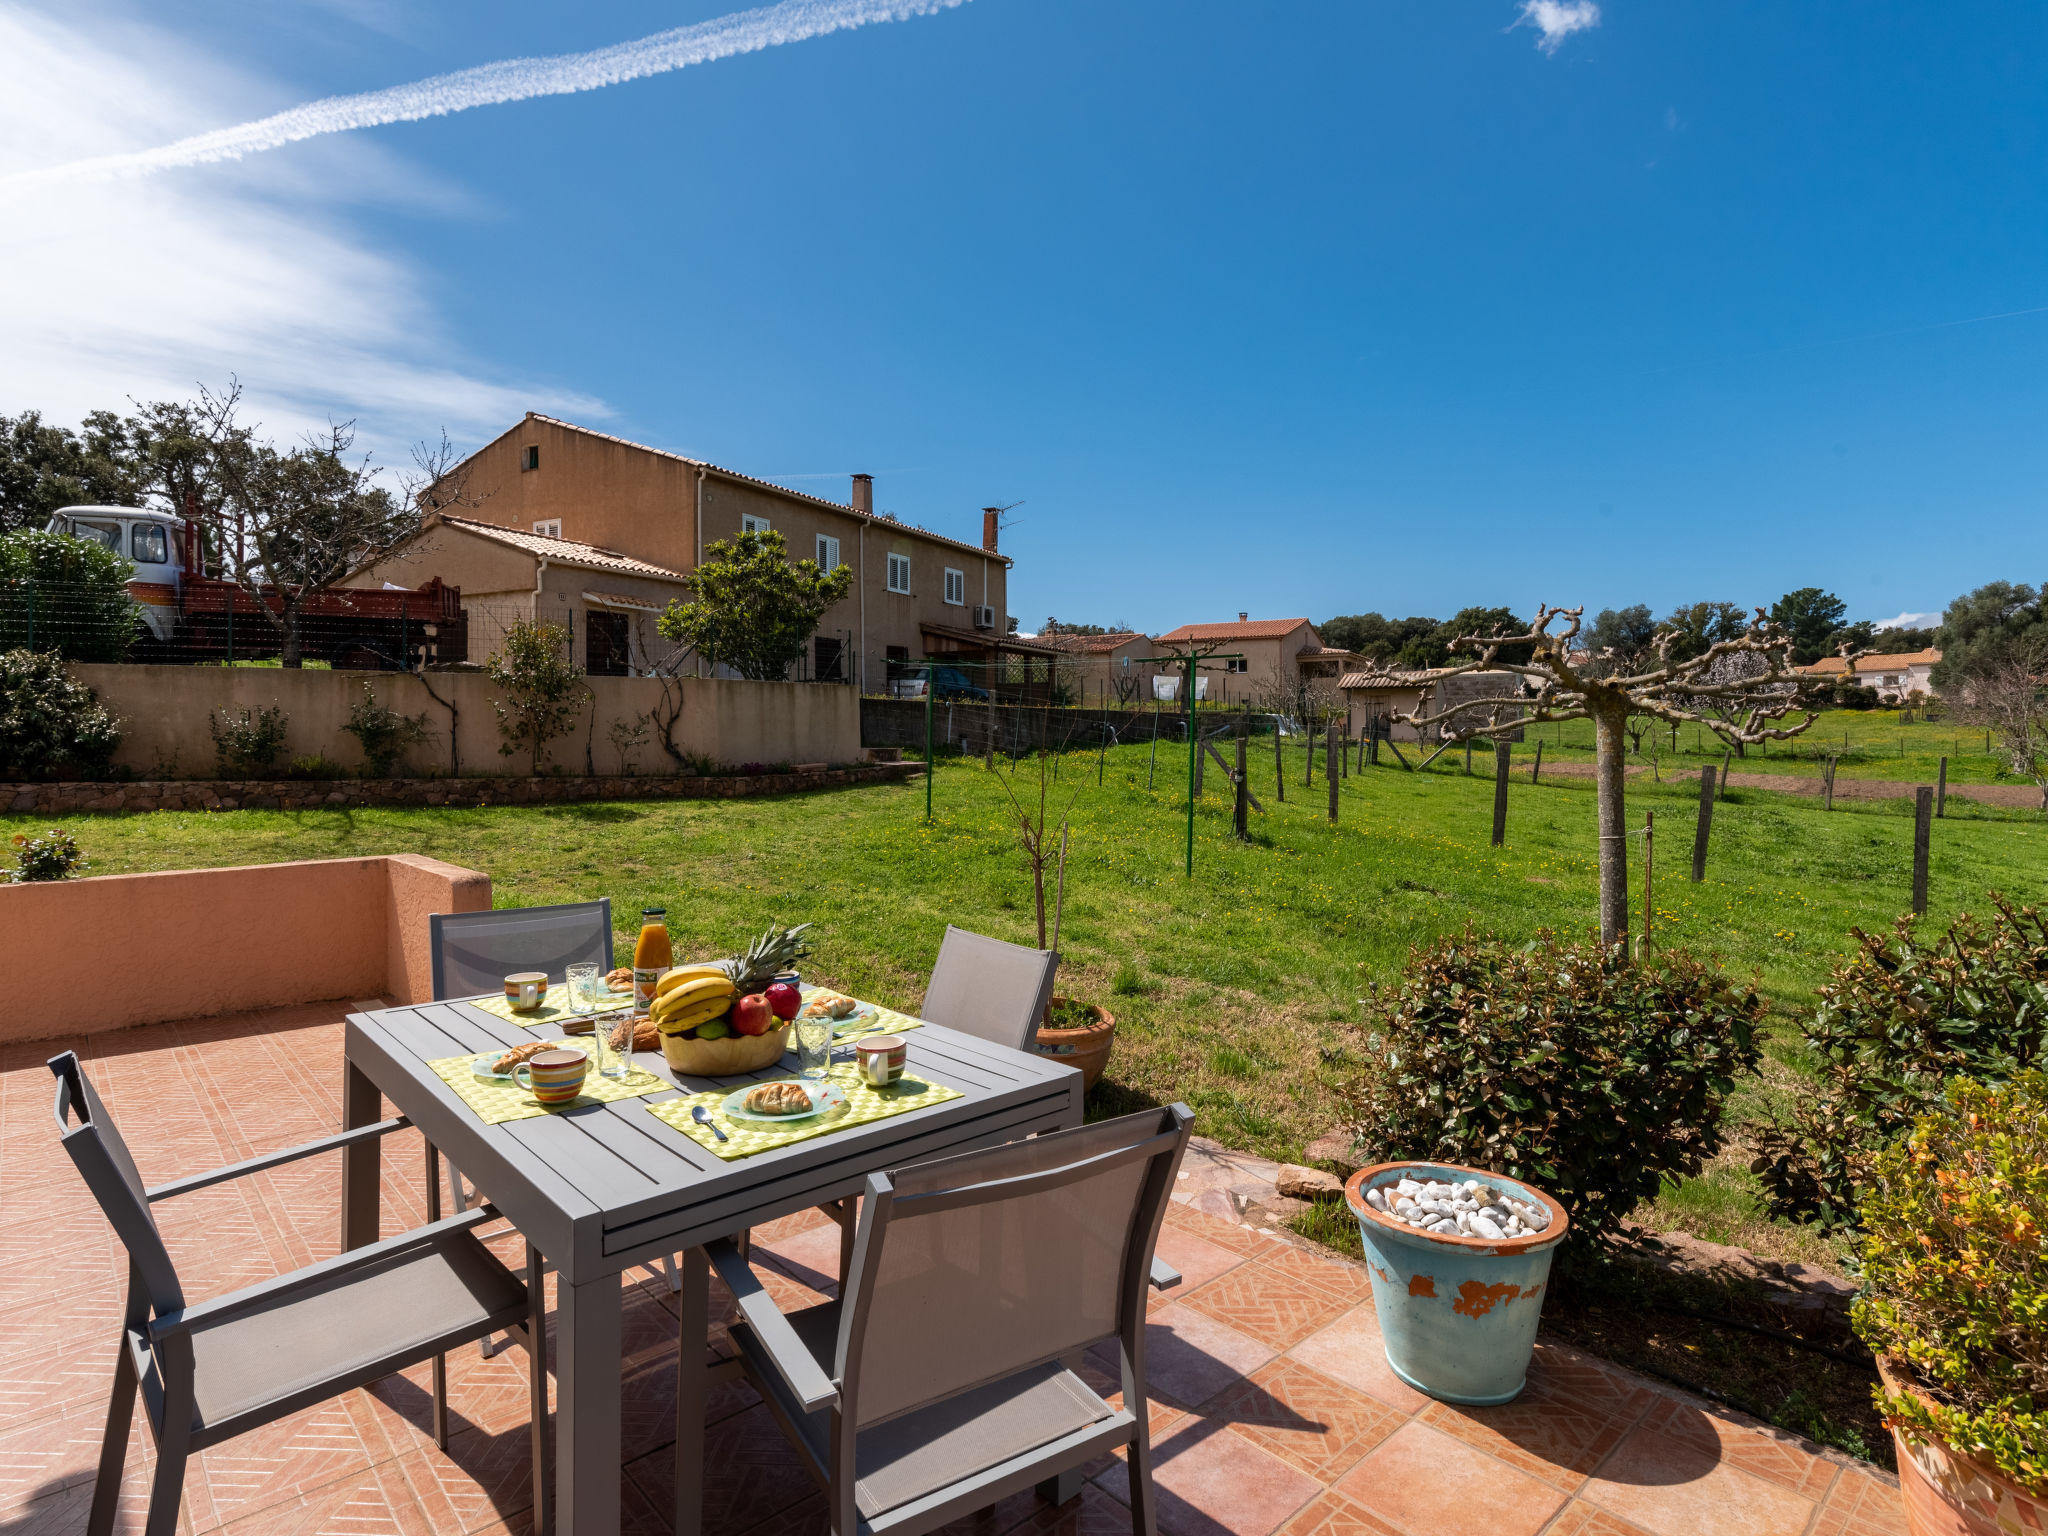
x,y
1193,749
927,741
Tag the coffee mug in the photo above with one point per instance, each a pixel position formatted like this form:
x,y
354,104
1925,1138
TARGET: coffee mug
x,y
553,1077
881,1059
526,990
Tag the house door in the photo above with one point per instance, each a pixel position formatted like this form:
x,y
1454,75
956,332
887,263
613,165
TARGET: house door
x,y
828,660
606,651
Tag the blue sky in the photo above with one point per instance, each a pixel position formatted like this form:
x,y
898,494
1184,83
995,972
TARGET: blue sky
x,y
1296,309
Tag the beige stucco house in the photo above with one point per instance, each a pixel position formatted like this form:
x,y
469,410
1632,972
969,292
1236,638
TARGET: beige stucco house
x,y
1105,670
1389,694
916,593
1275,653
1896,676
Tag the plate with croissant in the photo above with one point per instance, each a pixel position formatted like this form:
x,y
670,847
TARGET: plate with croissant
x,y
846,1013
496,1065
788,1098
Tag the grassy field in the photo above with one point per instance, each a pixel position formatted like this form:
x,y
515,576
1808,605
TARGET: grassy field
x,y
1870,744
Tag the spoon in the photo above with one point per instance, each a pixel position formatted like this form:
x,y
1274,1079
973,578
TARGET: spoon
x,y
702,1116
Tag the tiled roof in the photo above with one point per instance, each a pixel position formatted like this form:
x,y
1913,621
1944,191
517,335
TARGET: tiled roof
x,y
1827,666
587,557
1090,645
1251,629
1325,651
767,485
988,639
1392,678
621,600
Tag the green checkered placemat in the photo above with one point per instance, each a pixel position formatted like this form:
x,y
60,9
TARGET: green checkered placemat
x,y
495,1102
554,1007
887,1021
864,1106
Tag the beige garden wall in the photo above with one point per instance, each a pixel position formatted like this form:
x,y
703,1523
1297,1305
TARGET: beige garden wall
x,y
165,710
195,942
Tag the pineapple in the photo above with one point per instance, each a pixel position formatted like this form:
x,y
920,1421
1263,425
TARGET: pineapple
x,y
776,951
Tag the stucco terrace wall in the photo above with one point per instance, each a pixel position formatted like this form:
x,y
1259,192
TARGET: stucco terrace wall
x,y
166,709
188,943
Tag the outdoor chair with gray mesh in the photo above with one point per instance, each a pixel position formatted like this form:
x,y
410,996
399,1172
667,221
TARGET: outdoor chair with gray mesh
x,y
940,1381
473,953
990,989
215,1369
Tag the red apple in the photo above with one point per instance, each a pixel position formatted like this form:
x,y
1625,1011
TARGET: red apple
x,y
751,1015
784,999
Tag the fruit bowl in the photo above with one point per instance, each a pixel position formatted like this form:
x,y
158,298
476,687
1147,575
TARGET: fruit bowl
x,y
725,1058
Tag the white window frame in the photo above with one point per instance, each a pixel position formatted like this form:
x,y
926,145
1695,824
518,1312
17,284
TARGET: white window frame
x,y
956,581
899,573
828,553
1237,664
751,523
549,527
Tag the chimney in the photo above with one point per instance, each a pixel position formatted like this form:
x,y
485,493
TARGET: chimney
x,y
1243,617
864,495
990,517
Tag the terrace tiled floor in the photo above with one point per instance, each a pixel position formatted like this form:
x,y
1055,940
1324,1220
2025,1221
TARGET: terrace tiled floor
x,y
1274,1411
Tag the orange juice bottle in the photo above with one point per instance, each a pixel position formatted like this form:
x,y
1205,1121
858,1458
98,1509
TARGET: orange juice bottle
x,y
651,956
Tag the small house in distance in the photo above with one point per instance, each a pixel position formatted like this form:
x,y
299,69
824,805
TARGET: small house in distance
x,y
1896,677
1104,670
1383,697
1276,654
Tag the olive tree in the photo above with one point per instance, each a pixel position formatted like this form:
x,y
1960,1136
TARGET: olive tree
x,y
1557,681
755,609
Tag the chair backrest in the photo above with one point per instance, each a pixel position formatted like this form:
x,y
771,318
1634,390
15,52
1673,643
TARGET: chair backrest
x,y
971,1268
988,988
102,1157
474,952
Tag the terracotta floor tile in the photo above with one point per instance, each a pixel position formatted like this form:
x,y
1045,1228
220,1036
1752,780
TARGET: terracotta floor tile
x,y
1209,1481
750,1472
1094,1513
1352,1351
1305,1418
1424,1483
280,1461
810,1256
1554,1440
375,1502
1197,1258
47,1456
481,1481
1673,1488
1224,1234
1861,1504
1775,1455
1582,1519
1559,1372
1334,1515
1190,1357
1279,1303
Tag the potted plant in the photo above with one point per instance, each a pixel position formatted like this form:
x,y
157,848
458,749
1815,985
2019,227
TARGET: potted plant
x,y
1079,1035
1955,1305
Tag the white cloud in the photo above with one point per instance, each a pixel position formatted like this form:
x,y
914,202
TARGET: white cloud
x,y
1556,20
1910,621
140,288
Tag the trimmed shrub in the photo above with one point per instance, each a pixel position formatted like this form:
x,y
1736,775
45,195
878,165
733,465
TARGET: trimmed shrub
x,y
53,856
1953,1279
65,595
51,725
1590,1076
248,745
1895,1022
384,734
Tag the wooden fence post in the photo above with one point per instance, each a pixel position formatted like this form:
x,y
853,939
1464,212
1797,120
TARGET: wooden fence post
x,y
1923,829
1241,812
1827,786
1279,765
1536,772
1500,793
1330,769
1468,757
1941,790
1727,757
1699,838
1649,866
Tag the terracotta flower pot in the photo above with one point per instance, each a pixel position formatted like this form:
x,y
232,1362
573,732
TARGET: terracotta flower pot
x,y
1086,1047
1949,1494
725,1058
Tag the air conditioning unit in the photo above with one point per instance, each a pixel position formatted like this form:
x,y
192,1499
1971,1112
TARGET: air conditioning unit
x,y
984,617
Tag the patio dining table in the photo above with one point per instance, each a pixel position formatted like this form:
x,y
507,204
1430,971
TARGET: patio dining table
x,y
603,1188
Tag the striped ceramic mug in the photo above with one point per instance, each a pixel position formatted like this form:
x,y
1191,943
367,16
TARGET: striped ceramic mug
x,y
553,1077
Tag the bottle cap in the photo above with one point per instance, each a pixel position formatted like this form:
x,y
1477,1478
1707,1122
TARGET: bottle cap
x,y
654,911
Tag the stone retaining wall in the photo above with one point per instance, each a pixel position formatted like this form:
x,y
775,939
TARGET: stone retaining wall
x,y
317,794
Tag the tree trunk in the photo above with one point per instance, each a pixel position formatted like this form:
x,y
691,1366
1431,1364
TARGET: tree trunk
x,y
288,616
1610,719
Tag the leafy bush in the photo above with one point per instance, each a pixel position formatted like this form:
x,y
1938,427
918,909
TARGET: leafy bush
x,y
315,766
248,745
51,725
53,856
384,734
1953,1280
756,609
1895,1022
1556,1062
65,595
543,691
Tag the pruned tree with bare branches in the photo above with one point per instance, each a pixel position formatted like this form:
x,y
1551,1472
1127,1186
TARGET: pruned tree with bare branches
x,y
1559,683
2008,695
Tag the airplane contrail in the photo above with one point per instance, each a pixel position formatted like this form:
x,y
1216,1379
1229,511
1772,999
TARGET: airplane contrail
x,y
490,85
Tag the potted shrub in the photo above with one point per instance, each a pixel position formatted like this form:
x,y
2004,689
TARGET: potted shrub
x,y
1078,1035
1955,1305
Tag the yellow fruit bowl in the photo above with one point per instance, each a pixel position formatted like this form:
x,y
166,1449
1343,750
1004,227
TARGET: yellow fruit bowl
x,y
725,1058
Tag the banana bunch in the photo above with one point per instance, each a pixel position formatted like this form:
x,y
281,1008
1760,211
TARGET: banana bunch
x,y
690,997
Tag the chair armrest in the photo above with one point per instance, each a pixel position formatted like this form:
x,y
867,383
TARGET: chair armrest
x,y
793,1362
1164,1276
276,1159
280,1286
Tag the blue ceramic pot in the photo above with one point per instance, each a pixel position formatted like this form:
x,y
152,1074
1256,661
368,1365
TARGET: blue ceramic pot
x,y
1458,1314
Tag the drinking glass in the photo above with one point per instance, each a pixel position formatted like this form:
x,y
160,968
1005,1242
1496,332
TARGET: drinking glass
x,y
813,1045
583,986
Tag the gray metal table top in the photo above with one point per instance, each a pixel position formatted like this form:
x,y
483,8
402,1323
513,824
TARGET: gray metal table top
x,y
603,1188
